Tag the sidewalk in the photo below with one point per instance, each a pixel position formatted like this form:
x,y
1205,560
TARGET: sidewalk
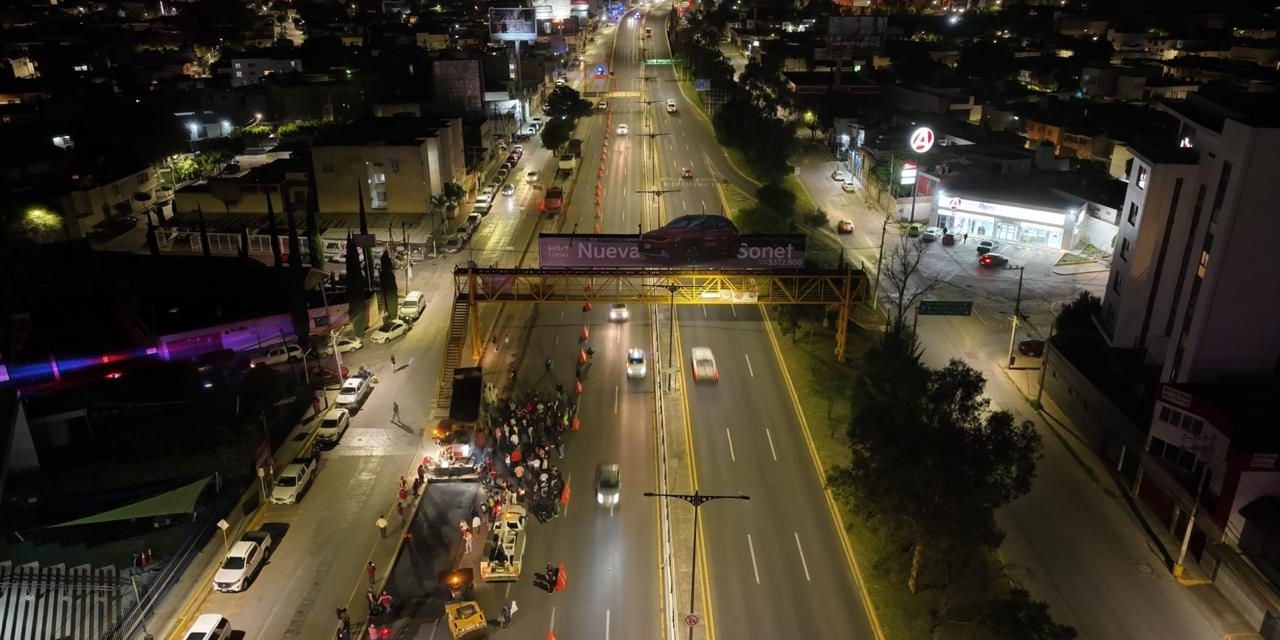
x,y
1210,602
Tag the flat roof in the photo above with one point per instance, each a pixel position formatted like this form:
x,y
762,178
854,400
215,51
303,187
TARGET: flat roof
x,y
1006,191
1212,109
400,130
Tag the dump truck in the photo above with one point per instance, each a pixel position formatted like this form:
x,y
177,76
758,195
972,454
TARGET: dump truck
x,y
504,550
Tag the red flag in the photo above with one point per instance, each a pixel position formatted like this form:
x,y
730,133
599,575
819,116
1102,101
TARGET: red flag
x,y
564,495
562,579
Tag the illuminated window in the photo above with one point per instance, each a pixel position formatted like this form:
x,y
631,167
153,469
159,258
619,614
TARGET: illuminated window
x,y
1142,177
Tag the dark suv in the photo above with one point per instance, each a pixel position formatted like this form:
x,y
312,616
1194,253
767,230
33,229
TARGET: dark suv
x,y
692,238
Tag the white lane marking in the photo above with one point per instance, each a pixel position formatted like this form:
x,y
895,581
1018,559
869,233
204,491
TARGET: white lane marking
x,y
618,335
606,624
749,369
552,626
704,205
730,437
562,315
771,450
704,311
803,562
616,391
734,309
557,338
751,547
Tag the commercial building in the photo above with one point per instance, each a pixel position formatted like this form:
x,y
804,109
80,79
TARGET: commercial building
x,y
399,163
1005,212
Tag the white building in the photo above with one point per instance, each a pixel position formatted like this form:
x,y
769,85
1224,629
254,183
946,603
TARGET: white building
x,y
247,72
1195,279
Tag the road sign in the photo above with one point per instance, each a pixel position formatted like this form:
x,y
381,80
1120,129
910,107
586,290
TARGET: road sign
x,y
701,84
691,620
945,308
659,61
922,139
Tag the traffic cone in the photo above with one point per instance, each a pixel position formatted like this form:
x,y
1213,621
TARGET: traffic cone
x,y
577,387
576,424
562,576
584,334
597,229
582,356
597,201
599,213
551,635
599,188
600,172
586,307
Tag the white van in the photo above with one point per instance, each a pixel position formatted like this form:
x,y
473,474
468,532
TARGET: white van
x,y
209,626
413,305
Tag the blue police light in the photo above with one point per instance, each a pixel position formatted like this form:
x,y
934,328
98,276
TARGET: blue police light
x,y
600,69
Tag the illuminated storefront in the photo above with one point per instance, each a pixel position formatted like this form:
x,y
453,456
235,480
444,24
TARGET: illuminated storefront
x,y
1035,225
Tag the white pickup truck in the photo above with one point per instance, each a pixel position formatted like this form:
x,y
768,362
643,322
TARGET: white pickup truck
x,y
243,562
294,480
279,354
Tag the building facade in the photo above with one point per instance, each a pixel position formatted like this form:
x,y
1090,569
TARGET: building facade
x,y
248,72
397,163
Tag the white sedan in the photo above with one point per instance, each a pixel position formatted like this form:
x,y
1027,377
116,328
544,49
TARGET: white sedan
x,y
618,312
333,425
345,344
623,129
390,331
704,365
636,366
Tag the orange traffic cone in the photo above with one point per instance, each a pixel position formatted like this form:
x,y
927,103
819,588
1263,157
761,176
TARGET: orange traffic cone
x,y
586,307
577,387
597,229
582,356
576,424
584,334
551,635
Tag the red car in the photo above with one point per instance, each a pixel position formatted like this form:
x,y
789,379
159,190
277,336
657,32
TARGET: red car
x,y
691,238
686,173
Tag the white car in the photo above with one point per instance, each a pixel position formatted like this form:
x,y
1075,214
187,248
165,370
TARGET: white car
x,y
486,195
704,365
508,189
623,129
354,391
671,105
333,425
293,482
390,331
452,245
532,176
840,175
618,312
344,344
931,234
278,354
636,365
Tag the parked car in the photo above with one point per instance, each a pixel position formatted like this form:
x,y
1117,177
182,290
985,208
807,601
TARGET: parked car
x,y
608,485
453,244
845,226
502,175
840,175
333,425
354,391
294,480
993,260
636,365
413,304
915,230
210,626
931,234
691,238
278,354
704,365
987,246
344,344
242,562
1031,347
848,186
389,331
618,312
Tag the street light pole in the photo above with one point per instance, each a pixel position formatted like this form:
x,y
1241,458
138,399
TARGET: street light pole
x,y
875,288
1017,314
696,500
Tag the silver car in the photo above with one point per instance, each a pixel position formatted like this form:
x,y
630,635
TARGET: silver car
x,y
608,485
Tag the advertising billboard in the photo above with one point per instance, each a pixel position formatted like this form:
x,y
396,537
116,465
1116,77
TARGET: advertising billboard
x,y
689,243
552,9
513,24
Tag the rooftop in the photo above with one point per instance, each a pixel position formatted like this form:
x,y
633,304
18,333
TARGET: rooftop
x,y
1212,109
1017,193
400,130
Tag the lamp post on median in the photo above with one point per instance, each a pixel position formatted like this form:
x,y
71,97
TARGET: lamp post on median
x,y
696,500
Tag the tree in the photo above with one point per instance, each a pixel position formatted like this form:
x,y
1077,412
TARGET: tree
x,y
390,292
556,133
295,244
810,120
900,269
274,232
565,102
986,60
357,293
1018,617
930,462
453,193
1078,315
314,243
439,202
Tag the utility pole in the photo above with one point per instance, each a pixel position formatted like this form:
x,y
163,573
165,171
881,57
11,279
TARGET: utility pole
x,y
1017,314
696,500
1200,445
875,288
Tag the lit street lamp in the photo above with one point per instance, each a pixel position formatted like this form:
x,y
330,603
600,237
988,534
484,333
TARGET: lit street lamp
x,y
696,500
